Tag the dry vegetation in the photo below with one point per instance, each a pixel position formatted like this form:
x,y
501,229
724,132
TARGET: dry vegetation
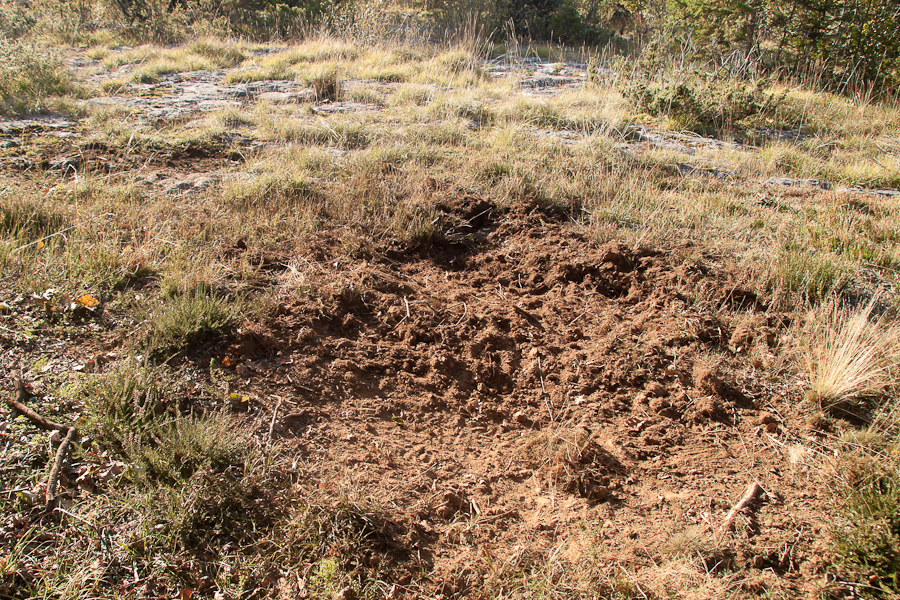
x,y
209,339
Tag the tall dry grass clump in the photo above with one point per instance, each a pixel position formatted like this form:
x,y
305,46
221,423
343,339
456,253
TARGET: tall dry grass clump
x,y
849,354
29,75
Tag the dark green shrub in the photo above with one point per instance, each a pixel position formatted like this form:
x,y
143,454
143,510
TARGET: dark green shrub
x,y
15,22
720,105
169,20
187,319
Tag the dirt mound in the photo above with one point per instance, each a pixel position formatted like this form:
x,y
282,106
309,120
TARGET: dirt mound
x,y
522,380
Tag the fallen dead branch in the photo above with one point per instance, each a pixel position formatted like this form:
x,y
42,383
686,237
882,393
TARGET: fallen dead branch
x,y
18,404
744,505
272,423
62,452
61,455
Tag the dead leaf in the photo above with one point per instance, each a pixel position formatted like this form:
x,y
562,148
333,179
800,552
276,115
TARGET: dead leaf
x,y
88,301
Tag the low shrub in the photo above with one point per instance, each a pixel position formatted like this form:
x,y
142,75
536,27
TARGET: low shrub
x,y
29,75
720,105
870,542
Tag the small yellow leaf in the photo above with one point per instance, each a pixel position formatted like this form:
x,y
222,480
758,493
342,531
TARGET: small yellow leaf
x,y
88,300
40,244
237,398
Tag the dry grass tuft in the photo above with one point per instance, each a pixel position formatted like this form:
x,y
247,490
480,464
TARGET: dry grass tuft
x,y
849,354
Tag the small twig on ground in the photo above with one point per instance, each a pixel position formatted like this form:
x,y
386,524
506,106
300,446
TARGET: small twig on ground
x,y
406,302
743,506
76,517
18,404
61,455
544,394
274,416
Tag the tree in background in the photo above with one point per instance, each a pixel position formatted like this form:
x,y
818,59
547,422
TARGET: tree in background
x,y
843,41
251,18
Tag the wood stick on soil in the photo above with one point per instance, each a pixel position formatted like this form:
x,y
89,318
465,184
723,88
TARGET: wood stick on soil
x,y
61,455
743,506
19,405
465,312
274,416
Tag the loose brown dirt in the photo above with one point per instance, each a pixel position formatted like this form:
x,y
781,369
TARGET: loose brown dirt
x,y
513,388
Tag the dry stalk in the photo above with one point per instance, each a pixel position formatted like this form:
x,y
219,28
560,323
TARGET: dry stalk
x,y
61,455
744,505
18,404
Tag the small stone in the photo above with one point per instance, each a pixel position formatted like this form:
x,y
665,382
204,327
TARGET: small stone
x,y
664,407
707,380
741,338
454,500
452,504
521,418
276,97
599,493
708,406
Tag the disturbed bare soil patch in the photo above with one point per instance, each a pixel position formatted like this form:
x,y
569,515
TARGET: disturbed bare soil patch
x,y
512,394
528,393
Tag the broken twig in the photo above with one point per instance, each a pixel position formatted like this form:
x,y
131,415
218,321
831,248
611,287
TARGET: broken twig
x,y
274,416
61,455
743,506
19,406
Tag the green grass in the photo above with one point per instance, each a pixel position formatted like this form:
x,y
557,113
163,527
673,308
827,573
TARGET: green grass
x,y
808,275
192,485
30,75
185,320
29,221
869,542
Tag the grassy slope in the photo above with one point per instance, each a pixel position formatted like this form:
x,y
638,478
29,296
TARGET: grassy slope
x,y
441,118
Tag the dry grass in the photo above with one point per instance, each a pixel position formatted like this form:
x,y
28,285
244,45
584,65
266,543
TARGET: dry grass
x,y
849,354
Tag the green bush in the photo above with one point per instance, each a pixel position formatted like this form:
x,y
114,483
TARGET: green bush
x,y
123,405
191,481
187,319
15,22
174,20
569,25
841,43
721,105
